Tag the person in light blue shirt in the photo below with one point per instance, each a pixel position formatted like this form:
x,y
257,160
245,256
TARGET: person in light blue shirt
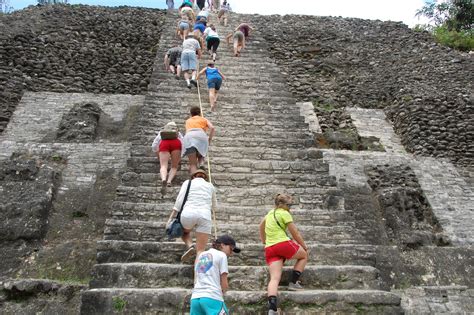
x,y
214,81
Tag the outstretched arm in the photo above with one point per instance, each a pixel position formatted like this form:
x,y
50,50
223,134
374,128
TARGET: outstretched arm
x,y
227,39
296,235
166,62
219,71
212,130
200,73
224,283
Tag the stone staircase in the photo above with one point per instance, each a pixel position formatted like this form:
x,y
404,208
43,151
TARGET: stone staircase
x,y
262,146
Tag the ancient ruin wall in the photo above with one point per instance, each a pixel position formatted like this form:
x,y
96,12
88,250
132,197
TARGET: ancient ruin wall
x,y
425,89
76,49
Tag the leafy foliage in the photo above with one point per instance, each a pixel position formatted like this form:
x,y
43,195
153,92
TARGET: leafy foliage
x,y
453,14
462,40
453,22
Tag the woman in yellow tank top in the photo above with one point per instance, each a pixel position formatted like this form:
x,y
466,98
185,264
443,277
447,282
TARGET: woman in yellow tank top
x,y
196,141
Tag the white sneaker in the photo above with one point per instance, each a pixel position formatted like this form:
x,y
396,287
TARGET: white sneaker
x,y
295,286
272,312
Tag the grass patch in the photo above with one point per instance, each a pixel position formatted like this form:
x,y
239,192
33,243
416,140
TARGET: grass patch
x,y
324,107
342,278
119,303
65,275
360,309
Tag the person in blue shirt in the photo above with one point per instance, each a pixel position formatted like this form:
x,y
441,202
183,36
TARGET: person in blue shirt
x,y
214,81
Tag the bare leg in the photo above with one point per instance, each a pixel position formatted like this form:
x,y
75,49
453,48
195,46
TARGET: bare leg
x,y
178,71
201,242
164,158
212,98
301,257
200,159
241,46
186,75
193,162
175,159
187,239
236,47
275,268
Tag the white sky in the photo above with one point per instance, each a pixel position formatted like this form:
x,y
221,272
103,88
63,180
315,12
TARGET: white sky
x,y
393,10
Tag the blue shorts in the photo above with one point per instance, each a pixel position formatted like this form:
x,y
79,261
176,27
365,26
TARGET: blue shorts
x,y
188,61
207,306
214,83
183,26
200,27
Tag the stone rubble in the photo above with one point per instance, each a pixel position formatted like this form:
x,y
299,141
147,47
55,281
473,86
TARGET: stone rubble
x,y
75,49
426,89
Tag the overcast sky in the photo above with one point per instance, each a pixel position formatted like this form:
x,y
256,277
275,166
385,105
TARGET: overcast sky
x,y
393,10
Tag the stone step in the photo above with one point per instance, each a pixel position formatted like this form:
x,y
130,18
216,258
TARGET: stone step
x,y
247,97
281,112
224,166
178,92
221,121
243,194
176,301
259,195
228,176
232,76
225,214
231,82
242,278
275,154
223,126
222,175
110,251
253,48
155,231
221,141
225,136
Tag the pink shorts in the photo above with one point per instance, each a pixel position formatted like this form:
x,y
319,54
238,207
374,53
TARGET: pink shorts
x,y
170,145
284,250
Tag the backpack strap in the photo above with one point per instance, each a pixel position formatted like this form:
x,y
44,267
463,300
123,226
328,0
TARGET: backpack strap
x,y
178,217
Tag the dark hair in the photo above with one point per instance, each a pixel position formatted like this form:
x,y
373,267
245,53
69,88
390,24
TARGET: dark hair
x,y
216,245
195,111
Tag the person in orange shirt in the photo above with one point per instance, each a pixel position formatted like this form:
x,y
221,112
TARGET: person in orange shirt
x,y
196,140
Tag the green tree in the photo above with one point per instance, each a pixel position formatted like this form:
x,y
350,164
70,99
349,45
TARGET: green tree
x,y
453,22
455,15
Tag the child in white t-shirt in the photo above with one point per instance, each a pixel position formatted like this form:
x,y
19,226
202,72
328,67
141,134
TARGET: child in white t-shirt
x,y
210,272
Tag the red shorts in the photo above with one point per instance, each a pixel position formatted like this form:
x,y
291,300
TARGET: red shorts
x,y
284,250
170,145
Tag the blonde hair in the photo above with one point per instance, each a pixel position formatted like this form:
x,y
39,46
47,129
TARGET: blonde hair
x,y
282,200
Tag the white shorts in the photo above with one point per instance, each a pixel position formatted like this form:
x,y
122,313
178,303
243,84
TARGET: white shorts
x,y
191,220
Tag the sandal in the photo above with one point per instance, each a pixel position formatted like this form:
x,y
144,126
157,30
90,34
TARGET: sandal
x,y
188,254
